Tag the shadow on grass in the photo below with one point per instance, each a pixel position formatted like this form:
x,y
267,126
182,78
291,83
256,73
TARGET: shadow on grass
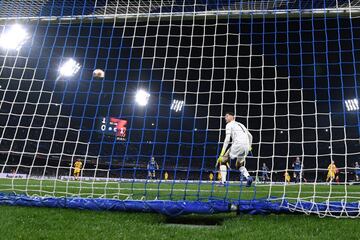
x,y
199,220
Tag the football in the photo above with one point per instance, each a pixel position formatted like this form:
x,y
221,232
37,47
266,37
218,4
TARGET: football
x,y
98,73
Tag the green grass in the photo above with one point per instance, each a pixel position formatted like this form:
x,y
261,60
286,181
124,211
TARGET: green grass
x,y
45,223
179,191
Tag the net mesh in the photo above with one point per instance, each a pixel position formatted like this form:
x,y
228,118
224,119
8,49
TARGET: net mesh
x,y
287,69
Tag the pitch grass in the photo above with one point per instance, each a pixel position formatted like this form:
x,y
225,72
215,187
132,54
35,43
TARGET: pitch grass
x,y
171,190
46,223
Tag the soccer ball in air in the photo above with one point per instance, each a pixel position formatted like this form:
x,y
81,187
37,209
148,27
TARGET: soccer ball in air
x,y
98,73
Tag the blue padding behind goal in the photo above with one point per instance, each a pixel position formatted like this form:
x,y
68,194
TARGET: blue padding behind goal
x,y
176,208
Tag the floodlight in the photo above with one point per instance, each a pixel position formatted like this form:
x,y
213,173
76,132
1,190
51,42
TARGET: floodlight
x,y
352,105
13,38
177,105
69,68
142,97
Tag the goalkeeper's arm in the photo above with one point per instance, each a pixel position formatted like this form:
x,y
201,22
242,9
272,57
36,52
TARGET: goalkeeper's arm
x,y
250,137
223,150
217,163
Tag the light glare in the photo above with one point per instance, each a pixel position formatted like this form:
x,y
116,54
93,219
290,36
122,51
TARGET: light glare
x,y
142,97
177,105
69,68
352,105
13,38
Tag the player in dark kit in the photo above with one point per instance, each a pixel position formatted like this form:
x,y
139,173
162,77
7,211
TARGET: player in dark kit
x,y
152,166
297,169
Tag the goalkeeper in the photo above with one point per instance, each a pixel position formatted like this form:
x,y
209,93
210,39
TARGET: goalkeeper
x,y
241,145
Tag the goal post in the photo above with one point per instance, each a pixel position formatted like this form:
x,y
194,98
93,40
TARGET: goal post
x,y
120,105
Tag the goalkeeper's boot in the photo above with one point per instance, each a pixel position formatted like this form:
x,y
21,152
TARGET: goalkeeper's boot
x,y
249,181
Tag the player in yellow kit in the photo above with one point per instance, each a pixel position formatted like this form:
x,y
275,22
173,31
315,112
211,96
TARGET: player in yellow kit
x,y
77,168
287,177
331,172
211,176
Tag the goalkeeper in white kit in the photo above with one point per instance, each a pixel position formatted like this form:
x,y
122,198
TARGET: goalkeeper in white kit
x,y
240,147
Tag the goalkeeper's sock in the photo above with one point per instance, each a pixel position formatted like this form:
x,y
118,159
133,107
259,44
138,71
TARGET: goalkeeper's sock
x,y
223,171
249,181
244,172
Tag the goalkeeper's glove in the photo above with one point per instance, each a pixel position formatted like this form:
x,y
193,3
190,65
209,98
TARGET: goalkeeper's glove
x,y
221,155
219,160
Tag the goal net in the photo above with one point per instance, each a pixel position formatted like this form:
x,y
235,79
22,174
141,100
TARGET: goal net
x,y
120,104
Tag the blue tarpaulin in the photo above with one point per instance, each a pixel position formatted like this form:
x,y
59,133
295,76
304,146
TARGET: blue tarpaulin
x,y
182,207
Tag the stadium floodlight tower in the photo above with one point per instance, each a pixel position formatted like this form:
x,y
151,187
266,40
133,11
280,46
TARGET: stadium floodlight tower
x,y
177,105
142,97
13,38
352,105
69,68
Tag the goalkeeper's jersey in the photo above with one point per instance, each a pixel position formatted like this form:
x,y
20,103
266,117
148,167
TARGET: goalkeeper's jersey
x,y
238,133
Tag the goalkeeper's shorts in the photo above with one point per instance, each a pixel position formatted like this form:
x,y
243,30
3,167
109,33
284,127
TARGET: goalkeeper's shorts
x,y
239,150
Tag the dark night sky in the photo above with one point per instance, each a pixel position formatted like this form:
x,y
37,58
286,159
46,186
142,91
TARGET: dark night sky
x,y
276,74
